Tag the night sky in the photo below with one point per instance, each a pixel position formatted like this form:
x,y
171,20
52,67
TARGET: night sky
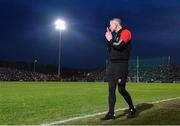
x,y
27,30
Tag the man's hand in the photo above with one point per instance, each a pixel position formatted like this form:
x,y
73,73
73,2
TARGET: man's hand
x,y
108,34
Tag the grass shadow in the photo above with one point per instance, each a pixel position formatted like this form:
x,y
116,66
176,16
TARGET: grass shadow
x,y
140,108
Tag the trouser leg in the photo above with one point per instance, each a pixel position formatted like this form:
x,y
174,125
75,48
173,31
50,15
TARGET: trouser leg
x,y
112,95
122,90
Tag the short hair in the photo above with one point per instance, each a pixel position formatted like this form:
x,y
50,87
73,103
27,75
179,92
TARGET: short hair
x,y
118,20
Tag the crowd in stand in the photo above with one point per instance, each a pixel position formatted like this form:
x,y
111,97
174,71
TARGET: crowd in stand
x,y
174,73
8,74
88,76
149,73
146,73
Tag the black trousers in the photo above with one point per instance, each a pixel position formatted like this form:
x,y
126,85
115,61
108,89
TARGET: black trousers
x,y
116,74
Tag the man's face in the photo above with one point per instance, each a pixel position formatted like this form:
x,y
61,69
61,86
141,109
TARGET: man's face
x,y
113,25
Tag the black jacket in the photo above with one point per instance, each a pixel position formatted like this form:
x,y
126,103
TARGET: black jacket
x,y
118,49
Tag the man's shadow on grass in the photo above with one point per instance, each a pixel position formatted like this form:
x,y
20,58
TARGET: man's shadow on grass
x,y
139,108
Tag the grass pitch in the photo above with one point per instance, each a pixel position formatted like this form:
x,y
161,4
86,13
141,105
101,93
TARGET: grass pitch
x,y
45,102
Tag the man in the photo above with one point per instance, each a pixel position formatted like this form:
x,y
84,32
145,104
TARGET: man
x,y
119,45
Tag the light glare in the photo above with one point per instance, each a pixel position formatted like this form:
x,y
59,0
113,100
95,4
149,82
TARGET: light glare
x,y
60,24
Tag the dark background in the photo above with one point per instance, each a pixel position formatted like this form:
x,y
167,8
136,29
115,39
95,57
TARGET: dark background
x,y
27,30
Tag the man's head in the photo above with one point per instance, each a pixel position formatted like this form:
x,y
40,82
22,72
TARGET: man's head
x,y
115,24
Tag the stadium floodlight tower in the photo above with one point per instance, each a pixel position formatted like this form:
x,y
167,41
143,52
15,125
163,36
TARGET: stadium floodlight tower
x,y
35,61
60,25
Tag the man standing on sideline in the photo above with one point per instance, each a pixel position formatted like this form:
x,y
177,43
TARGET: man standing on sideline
x,y
119,46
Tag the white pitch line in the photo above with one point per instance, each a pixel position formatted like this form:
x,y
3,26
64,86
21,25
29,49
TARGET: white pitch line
x,y
169,99
101,113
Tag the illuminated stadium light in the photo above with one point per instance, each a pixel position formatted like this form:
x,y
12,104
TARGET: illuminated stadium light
x,y
60,24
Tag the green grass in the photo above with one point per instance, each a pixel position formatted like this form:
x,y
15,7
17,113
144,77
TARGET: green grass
x,y
44,102
165,113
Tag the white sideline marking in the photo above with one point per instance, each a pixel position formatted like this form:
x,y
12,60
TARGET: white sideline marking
x,y
100,113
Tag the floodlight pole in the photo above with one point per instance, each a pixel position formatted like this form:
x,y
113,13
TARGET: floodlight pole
x,y
59,25
137,70
35,61
59,55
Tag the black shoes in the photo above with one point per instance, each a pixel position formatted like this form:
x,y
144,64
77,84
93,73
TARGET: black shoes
x,y
131,113
108,116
